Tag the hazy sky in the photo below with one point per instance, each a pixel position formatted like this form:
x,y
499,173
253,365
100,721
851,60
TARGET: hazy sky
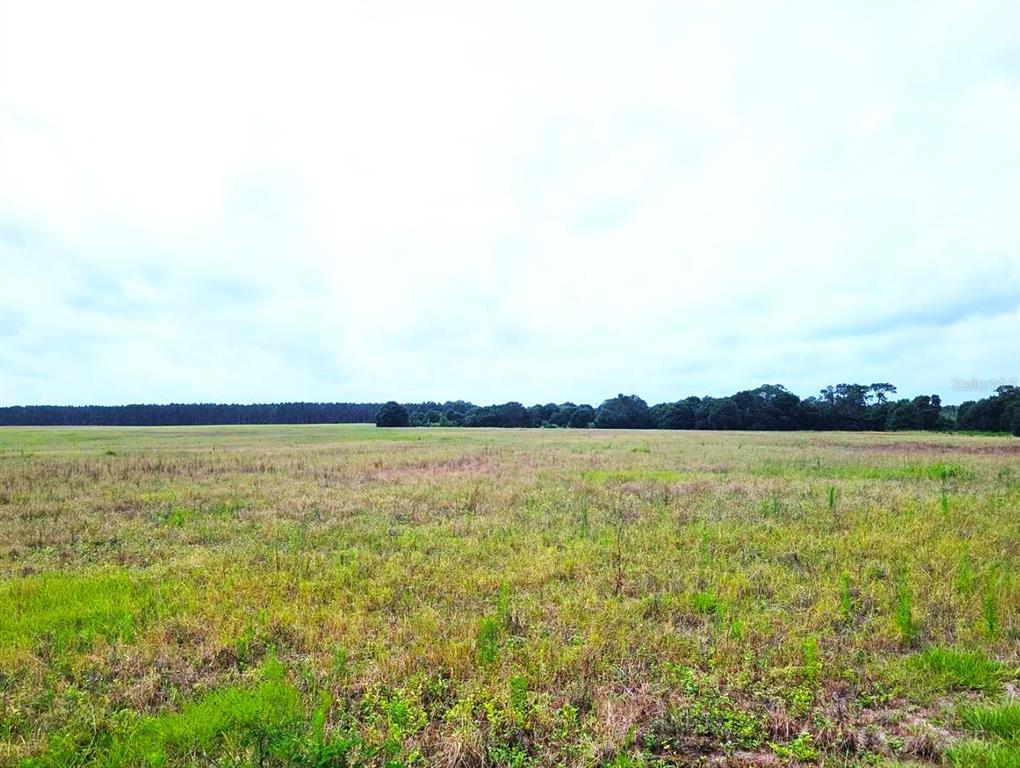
x,y
493,201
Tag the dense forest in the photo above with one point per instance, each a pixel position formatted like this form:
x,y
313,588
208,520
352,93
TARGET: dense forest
x,y
770,407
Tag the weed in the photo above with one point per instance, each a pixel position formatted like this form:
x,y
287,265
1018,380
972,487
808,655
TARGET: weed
x,y
487,640
618,560
903,608
942,471
707,604
812,659
339,665
979,754
259,720
801,749
682,677
950,669
995,720
846,605
737,630
964,575
630,475
990,604
584,528
715,717
503,604
70,612
178,517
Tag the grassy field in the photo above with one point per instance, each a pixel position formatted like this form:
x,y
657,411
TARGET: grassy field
x,y
342,595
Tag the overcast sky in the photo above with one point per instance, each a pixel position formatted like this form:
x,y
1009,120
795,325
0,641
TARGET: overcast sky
x,y
491,201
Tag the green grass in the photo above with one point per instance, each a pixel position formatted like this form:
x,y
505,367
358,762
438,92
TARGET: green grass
x,y
949,669
940,471
998,729
340,595
997,720
630,475
801,749
71,611
257,723
980,754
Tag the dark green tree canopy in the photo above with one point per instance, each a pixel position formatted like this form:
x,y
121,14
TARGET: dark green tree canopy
x,y
581,417
679,415
623,412
392,414
768,407
998,413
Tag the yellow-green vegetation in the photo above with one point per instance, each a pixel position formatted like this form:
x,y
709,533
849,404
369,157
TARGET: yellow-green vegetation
x,y
998,726
348,596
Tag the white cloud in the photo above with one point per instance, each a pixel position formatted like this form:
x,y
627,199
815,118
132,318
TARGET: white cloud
x,y
373,200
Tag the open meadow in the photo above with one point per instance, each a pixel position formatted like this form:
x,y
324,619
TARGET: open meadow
x,y
347,596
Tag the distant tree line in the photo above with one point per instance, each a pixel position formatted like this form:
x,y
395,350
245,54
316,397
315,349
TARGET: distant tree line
x,y
848,407
180,414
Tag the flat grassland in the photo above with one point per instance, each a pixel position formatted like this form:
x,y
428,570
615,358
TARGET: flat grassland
x,y
345,595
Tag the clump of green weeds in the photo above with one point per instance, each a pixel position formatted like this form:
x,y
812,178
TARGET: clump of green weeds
x,y
71,611
941,471
707,604
997,720
951,669
964,575
811,659
712,718
178,517
801,749
831,498
487,640
981,754
519,697
903,608
997,727
258,723
771,507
